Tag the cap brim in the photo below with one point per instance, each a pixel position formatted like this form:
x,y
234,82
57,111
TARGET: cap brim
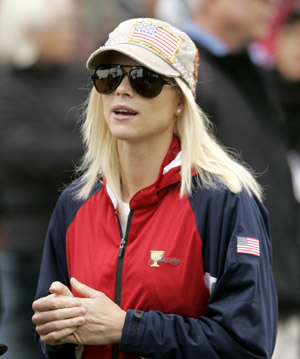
x,y
145,57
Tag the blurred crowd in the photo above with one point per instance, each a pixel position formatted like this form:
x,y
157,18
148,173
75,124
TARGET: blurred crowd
x,y
249,86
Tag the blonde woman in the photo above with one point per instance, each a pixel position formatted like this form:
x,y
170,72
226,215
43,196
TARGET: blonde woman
x,y
161,248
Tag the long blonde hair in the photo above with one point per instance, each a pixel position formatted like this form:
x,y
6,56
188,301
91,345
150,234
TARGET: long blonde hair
x,y
200,152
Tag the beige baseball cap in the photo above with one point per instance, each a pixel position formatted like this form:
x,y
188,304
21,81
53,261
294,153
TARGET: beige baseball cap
x,y
155,44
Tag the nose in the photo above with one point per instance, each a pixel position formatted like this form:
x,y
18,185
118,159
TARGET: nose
x,y
124,87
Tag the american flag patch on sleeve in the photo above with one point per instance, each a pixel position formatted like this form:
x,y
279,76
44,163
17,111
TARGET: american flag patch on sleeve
x,y
156,37
248,245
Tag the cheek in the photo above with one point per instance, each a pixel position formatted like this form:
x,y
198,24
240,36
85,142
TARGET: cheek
x,y
165,110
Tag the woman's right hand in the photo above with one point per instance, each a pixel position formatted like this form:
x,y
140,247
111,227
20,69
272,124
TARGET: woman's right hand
x,y
57,315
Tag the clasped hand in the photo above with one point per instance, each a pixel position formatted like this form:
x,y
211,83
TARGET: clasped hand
x,y
62,318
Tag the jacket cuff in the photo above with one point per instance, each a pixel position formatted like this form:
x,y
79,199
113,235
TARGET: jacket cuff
x,y
133,333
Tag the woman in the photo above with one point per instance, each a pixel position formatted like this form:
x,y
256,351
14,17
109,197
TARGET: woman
x,y
164,232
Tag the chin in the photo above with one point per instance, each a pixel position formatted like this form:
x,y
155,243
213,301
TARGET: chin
x,y
122,136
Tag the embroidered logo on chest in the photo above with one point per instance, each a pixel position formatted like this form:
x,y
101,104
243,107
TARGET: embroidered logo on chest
x,y
159,257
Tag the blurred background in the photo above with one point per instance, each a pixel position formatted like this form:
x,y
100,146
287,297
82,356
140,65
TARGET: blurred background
x,y
44,45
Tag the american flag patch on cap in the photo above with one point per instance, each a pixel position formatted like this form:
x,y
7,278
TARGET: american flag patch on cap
x,y
248,245
156,37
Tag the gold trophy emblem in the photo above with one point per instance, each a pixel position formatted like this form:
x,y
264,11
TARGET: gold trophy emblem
x,y
156,256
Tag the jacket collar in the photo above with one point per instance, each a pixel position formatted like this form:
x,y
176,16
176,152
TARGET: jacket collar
x,y
169,174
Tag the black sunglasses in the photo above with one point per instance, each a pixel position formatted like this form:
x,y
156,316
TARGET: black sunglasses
x,y
144,82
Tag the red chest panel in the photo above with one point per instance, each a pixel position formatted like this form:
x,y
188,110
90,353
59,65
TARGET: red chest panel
x,y
162,268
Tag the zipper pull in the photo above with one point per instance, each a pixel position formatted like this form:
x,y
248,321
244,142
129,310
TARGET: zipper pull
x,y
122,246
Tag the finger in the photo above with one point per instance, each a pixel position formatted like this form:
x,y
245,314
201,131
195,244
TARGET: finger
x,y
84,290
52,302
58,314
60,289
71,339
55,338
59,326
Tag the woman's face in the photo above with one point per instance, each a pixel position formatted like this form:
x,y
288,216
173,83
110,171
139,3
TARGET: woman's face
x,y
133,118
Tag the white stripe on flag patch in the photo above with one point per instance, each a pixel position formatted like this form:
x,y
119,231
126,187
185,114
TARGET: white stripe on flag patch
x,y
248,245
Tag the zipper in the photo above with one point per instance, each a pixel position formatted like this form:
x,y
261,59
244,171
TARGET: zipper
x,y
119,272
122,247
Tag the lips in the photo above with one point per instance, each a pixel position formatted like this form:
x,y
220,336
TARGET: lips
x,y
122,109
123,112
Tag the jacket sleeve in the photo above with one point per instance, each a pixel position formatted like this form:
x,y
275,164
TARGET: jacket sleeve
x,y
54,266
241,317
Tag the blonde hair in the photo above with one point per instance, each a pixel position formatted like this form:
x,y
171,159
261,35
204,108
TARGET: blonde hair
x,y
200,152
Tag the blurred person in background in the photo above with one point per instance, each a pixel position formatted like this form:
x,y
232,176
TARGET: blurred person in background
x,y
39,99
109,13
286,59
262,49
3,347
138,8
241,99
176,12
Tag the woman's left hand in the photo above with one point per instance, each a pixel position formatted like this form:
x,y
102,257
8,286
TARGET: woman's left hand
x,y
104,319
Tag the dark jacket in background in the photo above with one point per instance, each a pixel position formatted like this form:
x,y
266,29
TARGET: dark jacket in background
x,y
39,141
289,94
241,101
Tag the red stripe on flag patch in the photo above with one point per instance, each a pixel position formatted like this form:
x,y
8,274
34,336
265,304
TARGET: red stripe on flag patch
x,y
248,245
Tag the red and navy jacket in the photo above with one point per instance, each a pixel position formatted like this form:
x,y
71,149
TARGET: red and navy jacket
x,y
199,267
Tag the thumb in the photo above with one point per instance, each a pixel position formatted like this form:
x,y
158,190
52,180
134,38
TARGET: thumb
x,y
60,289
83,289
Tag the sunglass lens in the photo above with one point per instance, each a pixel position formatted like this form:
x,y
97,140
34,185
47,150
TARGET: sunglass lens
x,y
107,79
145,82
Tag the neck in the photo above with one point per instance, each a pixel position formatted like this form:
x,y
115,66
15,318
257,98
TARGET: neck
x,y
140,164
